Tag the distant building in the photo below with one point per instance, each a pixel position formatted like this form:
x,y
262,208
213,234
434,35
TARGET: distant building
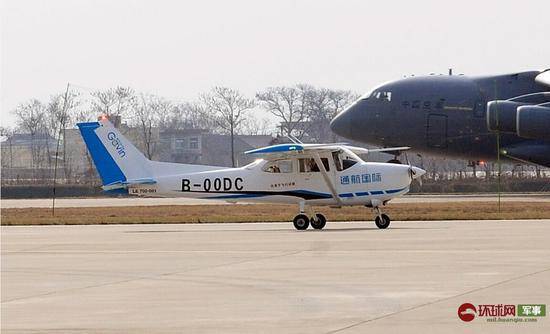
x,y
199,146
183,146
24,150
26,158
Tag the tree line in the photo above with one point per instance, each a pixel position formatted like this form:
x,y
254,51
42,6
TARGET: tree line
x,y
302,110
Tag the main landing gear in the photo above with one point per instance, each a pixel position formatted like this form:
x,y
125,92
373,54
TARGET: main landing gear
x,y
302,221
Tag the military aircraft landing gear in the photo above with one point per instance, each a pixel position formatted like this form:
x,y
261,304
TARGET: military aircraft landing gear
x,y
382,220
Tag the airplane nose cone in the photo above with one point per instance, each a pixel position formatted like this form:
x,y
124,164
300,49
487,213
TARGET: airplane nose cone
x,y
341,124
418,172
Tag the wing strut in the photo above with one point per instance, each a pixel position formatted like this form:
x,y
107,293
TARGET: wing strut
x,y
326,177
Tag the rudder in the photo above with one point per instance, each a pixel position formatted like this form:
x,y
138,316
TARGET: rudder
x,y
114,156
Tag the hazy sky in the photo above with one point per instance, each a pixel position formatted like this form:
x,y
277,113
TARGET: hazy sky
x,y
181,48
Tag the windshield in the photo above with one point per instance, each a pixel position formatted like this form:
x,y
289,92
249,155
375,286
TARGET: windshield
x,y
366,95
253,163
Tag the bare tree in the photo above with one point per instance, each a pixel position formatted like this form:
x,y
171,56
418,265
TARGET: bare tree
x,y
189,115
31,118
290,104
254,126
228,109
324,104
7,155
61,113
114,101
147,116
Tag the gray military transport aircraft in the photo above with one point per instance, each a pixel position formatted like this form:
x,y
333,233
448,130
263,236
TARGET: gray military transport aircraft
x,y
457,116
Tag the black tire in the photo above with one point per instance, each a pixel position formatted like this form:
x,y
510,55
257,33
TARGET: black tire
x,y
301,222
384,222
319,222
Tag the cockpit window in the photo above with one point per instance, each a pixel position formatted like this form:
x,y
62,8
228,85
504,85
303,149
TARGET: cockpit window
x,y
386,96
308,165
278,166
347,162
381,95
343,161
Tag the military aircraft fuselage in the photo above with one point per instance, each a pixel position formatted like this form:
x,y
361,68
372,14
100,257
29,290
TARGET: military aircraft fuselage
x,y
443,115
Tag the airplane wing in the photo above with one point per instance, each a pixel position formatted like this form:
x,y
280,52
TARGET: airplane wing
x,y
529,152
285,150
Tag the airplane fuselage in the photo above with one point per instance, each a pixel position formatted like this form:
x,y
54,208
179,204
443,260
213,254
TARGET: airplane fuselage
x,y
359,184
443,115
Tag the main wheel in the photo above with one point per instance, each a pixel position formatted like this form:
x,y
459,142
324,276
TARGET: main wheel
x,y
301,222
382,221
318,222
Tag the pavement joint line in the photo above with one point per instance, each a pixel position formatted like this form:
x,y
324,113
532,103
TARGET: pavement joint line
x,y
476,251
150,277
436,301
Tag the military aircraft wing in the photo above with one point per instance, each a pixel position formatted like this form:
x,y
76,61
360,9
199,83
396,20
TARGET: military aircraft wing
x,y
529,152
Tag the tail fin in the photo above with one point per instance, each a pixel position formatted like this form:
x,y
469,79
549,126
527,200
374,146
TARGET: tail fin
x,y
114,156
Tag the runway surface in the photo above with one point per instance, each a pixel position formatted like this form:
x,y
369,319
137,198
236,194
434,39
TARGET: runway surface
x,y
137,201
269,278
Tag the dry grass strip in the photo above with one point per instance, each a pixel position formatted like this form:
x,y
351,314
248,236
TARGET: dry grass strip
x,y
244,213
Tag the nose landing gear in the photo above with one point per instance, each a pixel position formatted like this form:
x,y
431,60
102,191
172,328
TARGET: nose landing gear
x,y
382,220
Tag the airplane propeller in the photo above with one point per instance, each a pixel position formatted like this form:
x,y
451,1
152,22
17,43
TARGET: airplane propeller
x,y
413,174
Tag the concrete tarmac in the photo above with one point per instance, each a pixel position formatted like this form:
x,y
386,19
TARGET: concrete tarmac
x,y
139,201
269,278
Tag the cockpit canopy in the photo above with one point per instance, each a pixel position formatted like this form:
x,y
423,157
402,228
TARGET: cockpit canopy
x,y
338,161
378,94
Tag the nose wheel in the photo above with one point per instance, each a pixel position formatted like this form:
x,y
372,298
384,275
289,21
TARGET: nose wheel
x,y
382,221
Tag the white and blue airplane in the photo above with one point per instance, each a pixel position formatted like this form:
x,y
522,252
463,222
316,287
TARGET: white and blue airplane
x,y
296,173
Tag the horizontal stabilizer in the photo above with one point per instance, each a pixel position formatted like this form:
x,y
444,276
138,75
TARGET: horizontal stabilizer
x,y
127,183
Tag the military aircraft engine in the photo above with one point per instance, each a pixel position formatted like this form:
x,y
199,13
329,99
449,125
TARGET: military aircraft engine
x,y
533,122
501,115
527,116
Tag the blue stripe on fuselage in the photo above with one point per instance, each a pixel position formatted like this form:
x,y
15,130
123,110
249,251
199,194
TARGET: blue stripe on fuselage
x,y
297,193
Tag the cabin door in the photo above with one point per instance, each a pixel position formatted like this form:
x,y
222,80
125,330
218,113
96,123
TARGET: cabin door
x,y
436,134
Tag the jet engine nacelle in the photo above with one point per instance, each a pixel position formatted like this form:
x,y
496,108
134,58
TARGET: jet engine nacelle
x,y
533,122
502,114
